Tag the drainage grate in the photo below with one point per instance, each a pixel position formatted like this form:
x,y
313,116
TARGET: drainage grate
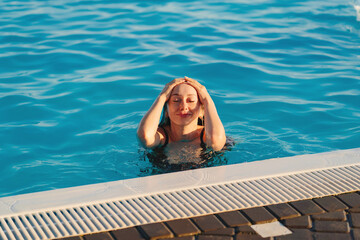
x,y
180,204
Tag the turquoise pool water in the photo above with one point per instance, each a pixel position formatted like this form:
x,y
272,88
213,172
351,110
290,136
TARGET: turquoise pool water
x,y
77,76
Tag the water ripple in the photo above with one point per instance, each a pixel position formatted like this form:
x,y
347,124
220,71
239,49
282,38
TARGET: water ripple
x,y
77,76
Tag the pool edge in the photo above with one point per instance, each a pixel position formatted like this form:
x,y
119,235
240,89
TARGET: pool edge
x,y
123,189
127,203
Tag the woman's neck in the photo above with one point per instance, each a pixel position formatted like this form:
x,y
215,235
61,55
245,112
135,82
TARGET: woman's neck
x,y
183,133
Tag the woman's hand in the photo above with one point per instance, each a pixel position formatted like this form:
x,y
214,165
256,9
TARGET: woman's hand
x,y
170,86
201,89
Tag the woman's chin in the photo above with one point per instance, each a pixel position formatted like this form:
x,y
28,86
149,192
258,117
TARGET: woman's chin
x,y
183,121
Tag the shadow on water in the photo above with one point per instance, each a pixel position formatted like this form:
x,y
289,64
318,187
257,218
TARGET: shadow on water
x,y
162,160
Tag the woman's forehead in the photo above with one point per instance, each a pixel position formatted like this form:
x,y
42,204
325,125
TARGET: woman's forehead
x,y
184,89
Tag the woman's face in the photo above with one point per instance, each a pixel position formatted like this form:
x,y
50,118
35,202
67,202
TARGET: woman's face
x,y
183,105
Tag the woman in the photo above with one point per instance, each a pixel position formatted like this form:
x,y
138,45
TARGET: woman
x,y
185,103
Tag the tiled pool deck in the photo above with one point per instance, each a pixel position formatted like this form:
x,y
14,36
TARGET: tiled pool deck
x,y
302,197
330,218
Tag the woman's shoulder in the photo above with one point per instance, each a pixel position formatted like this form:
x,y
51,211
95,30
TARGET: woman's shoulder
x,y
201,128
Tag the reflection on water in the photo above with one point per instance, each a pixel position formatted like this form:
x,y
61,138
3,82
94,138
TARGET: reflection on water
x,y
357,8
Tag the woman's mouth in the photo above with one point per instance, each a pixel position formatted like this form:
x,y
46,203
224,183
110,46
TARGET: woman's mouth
x,y
184,115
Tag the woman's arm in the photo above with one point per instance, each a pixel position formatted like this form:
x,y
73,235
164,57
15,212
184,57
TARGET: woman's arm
x,y
147,131
214,129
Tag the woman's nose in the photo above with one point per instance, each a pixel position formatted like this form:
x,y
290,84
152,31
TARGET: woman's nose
x,y
183,105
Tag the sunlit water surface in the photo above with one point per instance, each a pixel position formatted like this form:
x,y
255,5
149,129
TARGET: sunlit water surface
x,y
77,76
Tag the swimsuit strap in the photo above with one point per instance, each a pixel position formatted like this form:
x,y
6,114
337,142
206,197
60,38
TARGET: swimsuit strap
x,y
202,144
166,137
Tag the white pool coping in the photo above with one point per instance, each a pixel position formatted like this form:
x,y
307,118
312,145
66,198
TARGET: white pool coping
x,y
137,187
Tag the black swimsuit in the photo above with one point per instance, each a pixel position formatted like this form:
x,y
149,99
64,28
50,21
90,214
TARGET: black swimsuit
x,y
160,162
202,144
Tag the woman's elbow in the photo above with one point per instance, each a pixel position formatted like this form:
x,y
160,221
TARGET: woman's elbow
x,y
140,134
217,142
145,140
